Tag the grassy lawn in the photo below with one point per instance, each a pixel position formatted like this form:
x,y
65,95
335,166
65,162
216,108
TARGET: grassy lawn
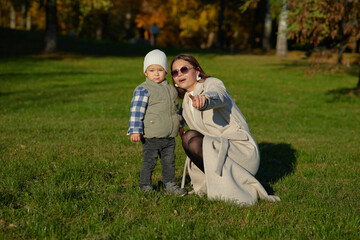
x,y
68,170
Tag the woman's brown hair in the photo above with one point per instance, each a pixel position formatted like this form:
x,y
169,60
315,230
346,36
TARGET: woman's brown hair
x,y
192,60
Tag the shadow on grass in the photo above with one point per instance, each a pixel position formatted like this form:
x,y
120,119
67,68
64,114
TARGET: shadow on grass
x,y
277,161
344,95
59,94
15,43
21,43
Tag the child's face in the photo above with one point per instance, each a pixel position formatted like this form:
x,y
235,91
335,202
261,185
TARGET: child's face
x,y
155,73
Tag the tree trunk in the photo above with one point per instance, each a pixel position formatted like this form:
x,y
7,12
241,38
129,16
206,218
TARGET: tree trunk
x,y
210,39
12,18
28,21
281,42
23,15
341,52
99,33
51,27
128,25
342,43
234,40
252,31
220,22
267,29
357,89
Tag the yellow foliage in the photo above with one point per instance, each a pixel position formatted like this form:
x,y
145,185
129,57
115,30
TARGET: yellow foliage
x,y
178,18
189,26
181,22
150,16
38,16
194,21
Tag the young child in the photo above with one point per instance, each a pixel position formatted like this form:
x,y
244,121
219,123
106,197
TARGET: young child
x,y
154,120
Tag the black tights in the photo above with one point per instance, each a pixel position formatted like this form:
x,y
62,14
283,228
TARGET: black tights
x,y
192,143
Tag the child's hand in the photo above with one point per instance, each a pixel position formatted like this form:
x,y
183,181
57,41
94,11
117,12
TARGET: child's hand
x,y
198,101
135,137
181,131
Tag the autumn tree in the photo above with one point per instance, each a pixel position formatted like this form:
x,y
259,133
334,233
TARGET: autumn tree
x,y
318,21
122,17
237,31
81,10
18,12
276,10
84,18
332,24
7,14
273,10
153,12
182,22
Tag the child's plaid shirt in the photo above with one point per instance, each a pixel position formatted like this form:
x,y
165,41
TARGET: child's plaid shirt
x,y
139,103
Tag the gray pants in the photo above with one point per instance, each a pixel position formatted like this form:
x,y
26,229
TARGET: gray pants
x,y
152,149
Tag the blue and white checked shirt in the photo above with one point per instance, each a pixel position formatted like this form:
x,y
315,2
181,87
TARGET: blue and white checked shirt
x,y
139,103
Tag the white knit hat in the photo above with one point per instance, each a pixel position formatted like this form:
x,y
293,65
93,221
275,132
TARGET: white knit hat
x,y
156,57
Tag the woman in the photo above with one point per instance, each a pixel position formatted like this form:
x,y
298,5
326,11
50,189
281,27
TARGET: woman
x,y
223,157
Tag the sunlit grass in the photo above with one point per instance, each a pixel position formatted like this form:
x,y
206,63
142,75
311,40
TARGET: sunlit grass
x,y
68,170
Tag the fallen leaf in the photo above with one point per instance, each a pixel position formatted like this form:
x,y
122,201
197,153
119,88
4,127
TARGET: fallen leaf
x,y
11,225
191,209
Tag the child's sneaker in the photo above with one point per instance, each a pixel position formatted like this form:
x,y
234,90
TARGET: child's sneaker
x,y
148,189
174,189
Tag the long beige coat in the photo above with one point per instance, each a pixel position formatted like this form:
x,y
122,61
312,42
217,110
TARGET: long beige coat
x,y
231,155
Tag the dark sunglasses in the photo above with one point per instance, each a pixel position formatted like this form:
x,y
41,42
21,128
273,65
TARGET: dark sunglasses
x,y
183,70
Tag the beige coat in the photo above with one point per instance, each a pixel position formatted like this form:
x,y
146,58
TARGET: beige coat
x,y
231,155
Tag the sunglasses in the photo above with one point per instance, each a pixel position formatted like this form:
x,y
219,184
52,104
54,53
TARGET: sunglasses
x,y
183,70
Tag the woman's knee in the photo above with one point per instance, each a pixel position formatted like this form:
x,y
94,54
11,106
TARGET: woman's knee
x,y
188,136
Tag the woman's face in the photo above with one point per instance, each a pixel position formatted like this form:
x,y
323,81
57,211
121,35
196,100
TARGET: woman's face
x,y
184,79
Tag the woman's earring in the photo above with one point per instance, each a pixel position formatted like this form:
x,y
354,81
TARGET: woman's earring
x,y
176,85
198,77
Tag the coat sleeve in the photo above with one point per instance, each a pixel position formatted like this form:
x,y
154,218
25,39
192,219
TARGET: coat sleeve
x,y
216,94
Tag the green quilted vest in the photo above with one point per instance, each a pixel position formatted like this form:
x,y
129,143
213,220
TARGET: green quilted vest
x,y
161,118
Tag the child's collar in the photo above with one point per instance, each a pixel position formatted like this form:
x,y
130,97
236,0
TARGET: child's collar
x,y
164,82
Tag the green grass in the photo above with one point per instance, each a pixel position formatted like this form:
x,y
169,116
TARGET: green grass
x,y
68,170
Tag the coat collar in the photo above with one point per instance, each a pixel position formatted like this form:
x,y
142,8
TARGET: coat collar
x,y
199,88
